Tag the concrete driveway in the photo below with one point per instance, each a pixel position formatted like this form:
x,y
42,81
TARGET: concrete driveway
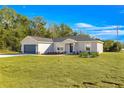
x,y
11,55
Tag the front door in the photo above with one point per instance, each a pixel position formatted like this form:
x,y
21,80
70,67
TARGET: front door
x,y
71,48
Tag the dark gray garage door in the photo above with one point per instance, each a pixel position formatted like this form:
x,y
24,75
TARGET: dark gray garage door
x,y
30,49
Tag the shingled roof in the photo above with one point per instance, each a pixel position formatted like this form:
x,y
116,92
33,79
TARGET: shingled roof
x,y
41,39
76,38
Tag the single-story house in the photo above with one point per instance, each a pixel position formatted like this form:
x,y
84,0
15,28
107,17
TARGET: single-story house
x,y
68,45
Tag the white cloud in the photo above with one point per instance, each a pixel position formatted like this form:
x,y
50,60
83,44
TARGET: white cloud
x,y
112,27
92,27
83,25
103,32
109,32
112,35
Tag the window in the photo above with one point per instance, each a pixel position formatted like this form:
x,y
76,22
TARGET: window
x,y
60,48
88,47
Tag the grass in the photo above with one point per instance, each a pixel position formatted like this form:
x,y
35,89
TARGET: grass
x,y
7,52
67,71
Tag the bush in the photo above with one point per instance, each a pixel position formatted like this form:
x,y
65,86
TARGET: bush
x,y
84,54
88,54
94,54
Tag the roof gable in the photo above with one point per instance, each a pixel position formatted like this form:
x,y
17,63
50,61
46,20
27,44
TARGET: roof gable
x,y
28,39
41,39
69,40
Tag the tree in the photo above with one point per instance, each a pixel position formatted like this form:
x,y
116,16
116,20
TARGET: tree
x,y
61,30
75,34
108,45
13,28
116,47
37,26
112,46
53,31
65,30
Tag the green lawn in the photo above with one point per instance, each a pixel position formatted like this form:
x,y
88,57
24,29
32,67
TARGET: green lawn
x,y
8,52
107,70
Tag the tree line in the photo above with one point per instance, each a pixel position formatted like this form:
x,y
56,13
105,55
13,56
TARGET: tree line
x,y
14,27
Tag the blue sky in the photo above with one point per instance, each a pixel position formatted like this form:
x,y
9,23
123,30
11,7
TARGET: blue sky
x,y
98,21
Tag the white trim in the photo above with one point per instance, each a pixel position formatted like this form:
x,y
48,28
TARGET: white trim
x,y
84,41
70,40
91,41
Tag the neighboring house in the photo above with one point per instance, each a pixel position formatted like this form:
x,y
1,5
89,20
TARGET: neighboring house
x,y
68,45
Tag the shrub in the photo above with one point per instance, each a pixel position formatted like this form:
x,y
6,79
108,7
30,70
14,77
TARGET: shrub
x,y
84,54
94,54
88,54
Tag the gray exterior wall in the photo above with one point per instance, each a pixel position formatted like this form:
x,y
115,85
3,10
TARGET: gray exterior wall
x,y
80,46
